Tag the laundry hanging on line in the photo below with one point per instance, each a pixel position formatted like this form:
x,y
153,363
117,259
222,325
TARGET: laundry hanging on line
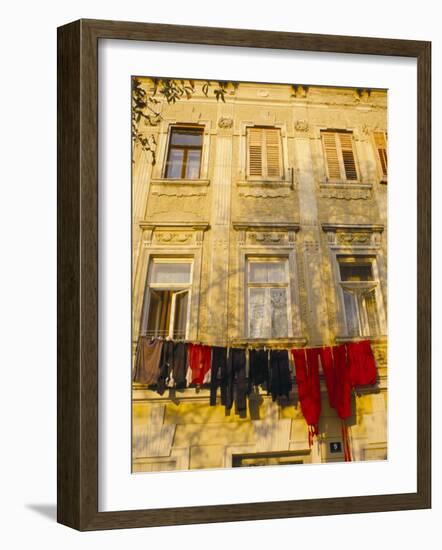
x,y
236,371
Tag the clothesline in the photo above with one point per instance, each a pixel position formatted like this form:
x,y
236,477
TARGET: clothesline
x,y
165,363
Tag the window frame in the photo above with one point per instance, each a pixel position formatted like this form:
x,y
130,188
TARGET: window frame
x,y
183,126
356,288
343,174
264,176
286,285
383,175
175,288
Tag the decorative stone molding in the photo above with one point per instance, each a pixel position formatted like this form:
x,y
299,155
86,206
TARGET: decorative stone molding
x,y
266,188
346,191
301,126
166,237
225,123
171,233
179,187
357,235
266,233
362,94
266,238
299,91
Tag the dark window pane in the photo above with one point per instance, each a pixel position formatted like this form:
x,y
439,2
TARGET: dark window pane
x,y
180,320
355,272
187,137
159,313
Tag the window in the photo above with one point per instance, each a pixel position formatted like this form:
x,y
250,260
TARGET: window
x,y
380,141
339,155
264,153
359,287
168,296
184,155
268,301
271,458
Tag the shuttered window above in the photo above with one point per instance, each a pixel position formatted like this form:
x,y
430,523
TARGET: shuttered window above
x,y
339,155
380,140
264,153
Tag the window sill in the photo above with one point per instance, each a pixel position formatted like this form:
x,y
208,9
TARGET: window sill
x,y
378,339
345,190
264,188
283,343
179,181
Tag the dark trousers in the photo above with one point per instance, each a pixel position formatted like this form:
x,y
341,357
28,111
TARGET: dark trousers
x,y
280,378
218,375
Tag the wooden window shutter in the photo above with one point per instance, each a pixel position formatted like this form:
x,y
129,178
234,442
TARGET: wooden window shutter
x,y
264,159
255,151
348,156
273,150
381,146
331,155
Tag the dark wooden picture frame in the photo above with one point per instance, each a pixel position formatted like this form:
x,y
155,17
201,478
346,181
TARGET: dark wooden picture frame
x,y
77,225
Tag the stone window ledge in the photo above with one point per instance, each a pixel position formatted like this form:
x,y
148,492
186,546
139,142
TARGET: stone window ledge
x,y
179,181
265,182
345,190
378,339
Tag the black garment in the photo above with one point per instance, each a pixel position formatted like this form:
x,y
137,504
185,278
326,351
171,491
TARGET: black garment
x,y
280,379
237,361
259,367
166,363
173,363
179,364
218,374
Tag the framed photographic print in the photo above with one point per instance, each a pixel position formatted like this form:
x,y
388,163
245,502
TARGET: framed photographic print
x,y
244,275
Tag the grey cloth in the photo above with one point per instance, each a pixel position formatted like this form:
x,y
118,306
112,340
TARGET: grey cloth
x,y
147,361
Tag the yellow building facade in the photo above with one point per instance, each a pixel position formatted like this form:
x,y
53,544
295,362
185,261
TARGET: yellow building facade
x,y
260,219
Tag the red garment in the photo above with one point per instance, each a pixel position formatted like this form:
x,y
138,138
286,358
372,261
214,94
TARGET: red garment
x,y
342,385
307,378
200,360
329,373
362,363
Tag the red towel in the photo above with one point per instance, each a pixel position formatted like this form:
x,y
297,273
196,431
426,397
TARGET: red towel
x,y
309,391
329,373
362,363
200,360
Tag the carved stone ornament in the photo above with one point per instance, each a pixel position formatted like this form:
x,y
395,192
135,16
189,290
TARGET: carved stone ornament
x,y
345,192
262,192
301,126
169,237
299,91
347,238
225,123
262,238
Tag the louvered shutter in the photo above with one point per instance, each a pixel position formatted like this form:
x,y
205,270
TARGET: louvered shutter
x,y
347,155
256,136
381,146
331,155
264,152
273,152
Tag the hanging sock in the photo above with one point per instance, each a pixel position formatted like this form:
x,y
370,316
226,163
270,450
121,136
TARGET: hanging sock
x,y
362,363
